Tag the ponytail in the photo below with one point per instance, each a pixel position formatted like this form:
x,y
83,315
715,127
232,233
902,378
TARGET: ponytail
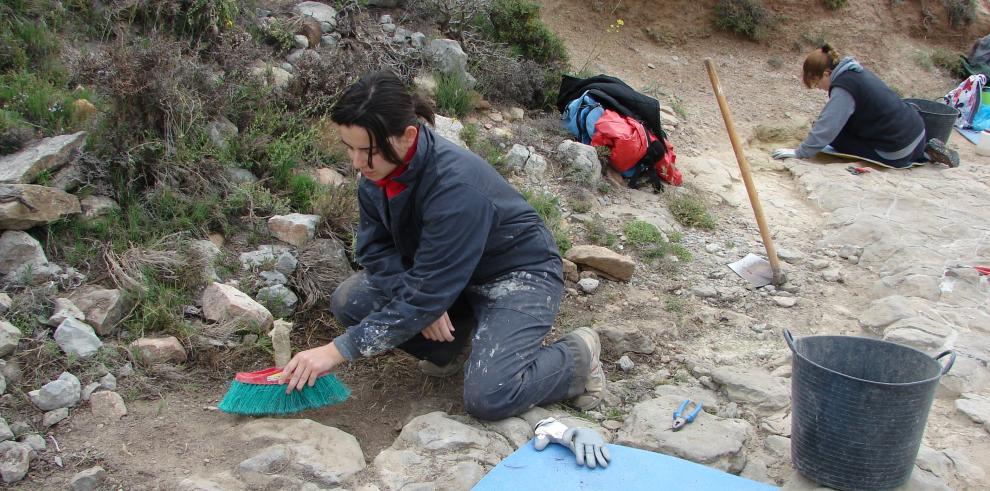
x,y
817,62
832,56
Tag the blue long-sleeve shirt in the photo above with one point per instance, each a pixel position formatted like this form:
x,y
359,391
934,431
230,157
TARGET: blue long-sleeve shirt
x,y
457,223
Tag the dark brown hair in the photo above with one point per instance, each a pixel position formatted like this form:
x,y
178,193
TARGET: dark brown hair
x,y
819,60
380,103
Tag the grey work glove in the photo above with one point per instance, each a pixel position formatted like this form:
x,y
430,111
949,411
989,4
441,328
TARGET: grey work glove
x,y
784,153
587,445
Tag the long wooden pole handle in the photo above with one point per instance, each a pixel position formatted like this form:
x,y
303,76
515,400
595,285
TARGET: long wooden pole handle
x,y
754,198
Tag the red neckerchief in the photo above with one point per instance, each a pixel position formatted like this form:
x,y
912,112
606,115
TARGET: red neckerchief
x,y
393,188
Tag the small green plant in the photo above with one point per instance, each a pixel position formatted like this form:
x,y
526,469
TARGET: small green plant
x,y
673,304
647,237
548,207
640,233
690,211
949,61
613,414
599,234
453,96
678,107
581,205
470,134
835,4
749,18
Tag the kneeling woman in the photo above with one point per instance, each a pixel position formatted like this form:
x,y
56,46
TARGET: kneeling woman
x,y
451,253
864,117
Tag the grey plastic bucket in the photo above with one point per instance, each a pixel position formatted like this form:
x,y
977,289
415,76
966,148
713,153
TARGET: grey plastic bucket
x,y
859,408
938,117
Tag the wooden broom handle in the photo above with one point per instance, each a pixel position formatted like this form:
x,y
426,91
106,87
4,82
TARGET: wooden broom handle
x,y
754,198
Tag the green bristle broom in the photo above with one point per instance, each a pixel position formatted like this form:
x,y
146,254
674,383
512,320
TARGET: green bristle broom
x,y
261,393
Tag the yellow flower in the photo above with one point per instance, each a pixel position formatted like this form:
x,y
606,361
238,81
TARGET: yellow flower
x,y
620,22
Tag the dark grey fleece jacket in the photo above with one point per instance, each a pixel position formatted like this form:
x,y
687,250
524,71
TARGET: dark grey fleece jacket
x,y
457,223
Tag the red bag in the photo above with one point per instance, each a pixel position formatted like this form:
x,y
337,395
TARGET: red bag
x,y
630,141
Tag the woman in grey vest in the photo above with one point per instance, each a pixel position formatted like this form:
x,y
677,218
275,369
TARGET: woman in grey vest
x,y
864,117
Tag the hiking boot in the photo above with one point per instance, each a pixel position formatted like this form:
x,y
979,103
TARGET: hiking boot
x,y
594,386
431,369
939,152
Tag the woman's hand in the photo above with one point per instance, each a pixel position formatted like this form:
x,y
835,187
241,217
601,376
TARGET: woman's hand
x,y
784,153
441,330
307,365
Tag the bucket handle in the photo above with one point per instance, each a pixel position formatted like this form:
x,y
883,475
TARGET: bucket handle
x,y
952,359
790,339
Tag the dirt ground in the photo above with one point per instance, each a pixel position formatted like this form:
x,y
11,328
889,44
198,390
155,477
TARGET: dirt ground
x,y
182,433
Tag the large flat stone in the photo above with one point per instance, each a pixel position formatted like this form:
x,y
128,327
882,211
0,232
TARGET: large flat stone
x,y
224,303
709,440
19,250
158,350
294,228
23,206
325,454
625,338
104,308
755,388
603,259
77,338
45,154
62,392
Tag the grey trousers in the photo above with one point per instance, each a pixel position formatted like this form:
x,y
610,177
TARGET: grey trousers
x,y
508,371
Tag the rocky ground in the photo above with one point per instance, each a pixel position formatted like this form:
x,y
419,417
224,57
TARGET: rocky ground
x,y
887,254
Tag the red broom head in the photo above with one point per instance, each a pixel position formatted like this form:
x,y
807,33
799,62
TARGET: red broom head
x,y
268,376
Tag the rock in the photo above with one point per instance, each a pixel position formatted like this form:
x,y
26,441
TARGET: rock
x,y
107,405
35,441
914,338
277,77
966,469
5,433
713,248
220,131
625,363
125,370
320,12
77,338
63,309
103,308
152,351
526,160
6,302
789,256
515,114
321,454
778,446
204,253
729,411
786,302
581,158
94,206
731,293
588,285
294,228
45,154
19,251
88,390
300,41
88,480
885,311
10,335
754,387
968,375
425,85
279,300
624,338
571,271
516,430
62,392
224,303
15,460
240,176
108,382
215,482
450,59
976,407
921,480
54,417
603,259
264,256
611,424
848,251
23,206
704,291
68,179
832,275
432,449
820,264
450,129
330,177
709,440
935,462
273,278
286,263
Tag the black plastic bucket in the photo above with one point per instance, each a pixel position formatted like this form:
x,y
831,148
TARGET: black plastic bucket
x,y
859,408
938,117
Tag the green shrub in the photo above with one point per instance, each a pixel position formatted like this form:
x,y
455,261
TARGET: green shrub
x,y
453,96
517,23
835,4
748,18
647,237
26,40
640,233
961,12
599,234
690,211
31,100
949,61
